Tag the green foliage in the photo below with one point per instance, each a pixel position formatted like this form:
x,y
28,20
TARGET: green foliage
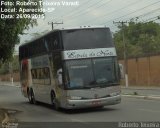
x,y
4,68
13,65
10,29
141,39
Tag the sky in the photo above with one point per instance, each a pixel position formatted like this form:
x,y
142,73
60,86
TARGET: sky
x,y
93,13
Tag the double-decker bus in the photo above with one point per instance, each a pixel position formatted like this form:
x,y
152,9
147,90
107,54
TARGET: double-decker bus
x,y
71,68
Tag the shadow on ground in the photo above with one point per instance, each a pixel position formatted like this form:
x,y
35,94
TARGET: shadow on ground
x,y
76,111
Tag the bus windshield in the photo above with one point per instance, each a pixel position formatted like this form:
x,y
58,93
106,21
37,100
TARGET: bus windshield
x,y
89,73
87,38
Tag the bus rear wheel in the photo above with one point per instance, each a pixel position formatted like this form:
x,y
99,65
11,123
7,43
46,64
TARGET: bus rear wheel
x,y
54,101
31,97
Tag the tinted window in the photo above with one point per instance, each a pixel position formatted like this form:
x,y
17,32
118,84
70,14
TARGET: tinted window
x,y
79,73
52,41
91,73
23,52
40,46
87,38
41,76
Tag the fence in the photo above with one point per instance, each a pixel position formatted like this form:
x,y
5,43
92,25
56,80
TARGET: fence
x,y
144,71
7,77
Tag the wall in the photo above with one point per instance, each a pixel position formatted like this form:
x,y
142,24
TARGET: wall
x,y
7,77
144,71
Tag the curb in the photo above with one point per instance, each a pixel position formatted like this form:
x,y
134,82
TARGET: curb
x,y
140,88
18,86
142,97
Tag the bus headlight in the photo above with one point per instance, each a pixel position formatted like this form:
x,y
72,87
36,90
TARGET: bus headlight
x,y
115,94
75,97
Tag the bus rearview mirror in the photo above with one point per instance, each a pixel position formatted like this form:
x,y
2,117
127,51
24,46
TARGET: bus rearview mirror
x,y
121,71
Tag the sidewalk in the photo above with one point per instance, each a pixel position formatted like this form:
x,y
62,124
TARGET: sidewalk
x,y
8,83
151,93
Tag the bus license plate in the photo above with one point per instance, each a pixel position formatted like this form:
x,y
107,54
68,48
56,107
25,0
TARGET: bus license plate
x,y
96,103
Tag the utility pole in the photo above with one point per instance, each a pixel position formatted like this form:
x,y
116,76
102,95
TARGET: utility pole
x,y
11,72
52,23
125,52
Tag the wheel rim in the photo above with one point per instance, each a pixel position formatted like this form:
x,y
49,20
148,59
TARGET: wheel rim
x,y
53,98
54,101
30,96
33,98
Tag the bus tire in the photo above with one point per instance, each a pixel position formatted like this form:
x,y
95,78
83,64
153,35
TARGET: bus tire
x,y
31,96
54,101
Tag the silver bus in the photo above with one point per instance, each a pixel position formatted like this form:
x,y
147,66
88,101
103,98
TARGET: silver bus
x,y
71,68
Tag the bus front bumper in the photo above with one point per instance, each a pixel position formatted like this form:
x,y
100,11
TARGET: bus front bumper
x,y
76,104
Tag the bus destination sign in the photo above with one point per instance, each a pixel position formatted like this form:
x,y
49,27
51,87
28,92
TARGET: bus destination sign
x,y
88,53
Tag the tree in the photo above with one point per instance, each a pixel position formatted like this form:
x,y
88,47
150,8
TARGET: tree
x,y
14,63
10,29
141,38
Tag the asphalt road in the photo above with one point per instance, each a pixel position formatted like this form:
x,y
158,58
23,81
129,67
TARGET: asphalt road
x,y
130,109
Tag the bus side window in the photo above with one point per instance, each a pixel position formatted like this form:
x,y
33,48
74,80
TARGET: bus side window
x,y
46,73
41,76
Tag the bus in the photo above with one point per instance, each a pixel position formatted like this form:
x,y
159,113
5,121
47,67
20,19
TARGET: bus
x,y
71,68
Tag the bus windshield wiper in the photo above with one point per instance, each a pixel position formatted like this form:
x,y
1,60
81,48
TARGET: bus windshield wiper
x,y
106,82
92,82
87,87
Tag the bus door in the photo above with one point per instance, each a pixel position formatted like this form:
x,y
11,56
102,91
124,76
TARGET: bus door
x,y
57,75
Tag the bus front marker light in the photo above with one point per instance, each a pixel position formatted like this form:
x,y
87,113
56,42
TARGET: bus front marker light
x,y
114,94
75,98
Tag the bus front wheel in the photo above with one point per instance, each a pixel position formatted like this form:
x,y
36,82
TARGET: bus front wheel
x,y
54,101
31,96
